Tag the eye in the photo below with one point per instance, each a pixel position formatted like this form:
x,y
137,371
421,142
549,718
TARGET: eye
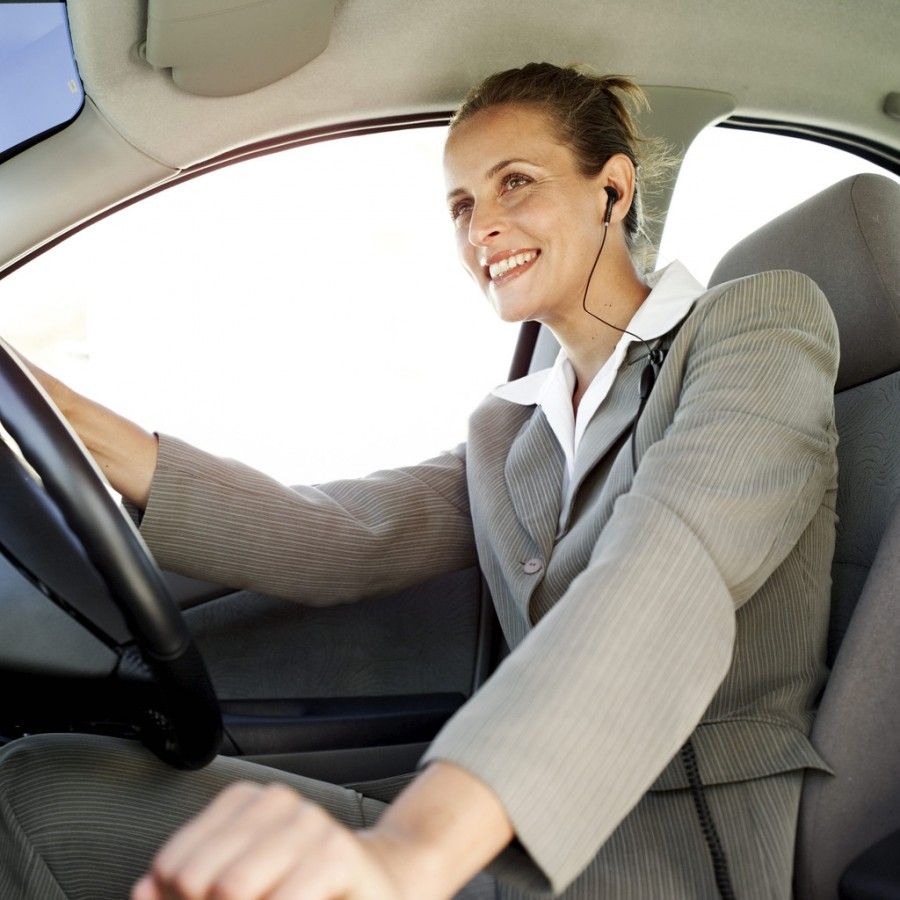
x,y
514,180
459,209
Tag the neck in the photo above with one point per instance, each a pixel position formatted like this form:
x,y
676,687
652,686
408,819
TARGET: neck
x,y
615,295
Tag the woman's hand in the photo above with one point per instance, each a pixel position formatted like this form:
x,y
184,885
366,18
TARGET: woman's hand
x,y
254,841
124,451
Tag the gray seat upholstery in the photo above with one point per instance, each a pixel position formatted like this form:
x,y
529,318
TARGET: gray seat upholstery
x,y
847,239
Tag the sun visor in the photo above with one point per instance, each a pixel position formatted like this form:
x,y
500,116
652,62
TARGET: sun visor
x,y
219,48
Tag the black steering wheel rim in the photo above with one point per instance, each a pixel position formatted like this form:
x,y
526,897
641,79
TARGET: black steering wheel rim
x,y
186,728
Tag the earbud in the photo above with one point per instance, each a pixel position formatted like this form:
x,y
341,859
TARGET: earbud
x,y
612,198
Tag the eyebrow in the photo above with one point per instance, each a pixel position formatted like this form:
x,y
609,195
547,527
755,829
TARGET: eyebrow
x,y
497,167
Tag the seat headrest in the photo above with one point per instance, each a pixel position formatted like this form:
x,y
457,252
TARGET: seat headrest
x,y
847,239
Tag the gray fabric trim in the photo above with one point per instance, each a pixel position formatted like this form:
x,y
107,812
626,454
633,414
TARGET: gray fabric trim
x,y
868,420
23,871
436,621
858,730
844,238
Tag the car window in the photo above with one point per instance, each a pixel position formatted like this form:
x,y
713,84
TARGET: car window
x,y
40,90
733,181
303,311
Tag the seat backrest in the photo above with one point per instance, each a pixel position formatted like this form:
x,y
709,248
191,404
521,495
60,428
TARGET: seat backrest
x,y
847,239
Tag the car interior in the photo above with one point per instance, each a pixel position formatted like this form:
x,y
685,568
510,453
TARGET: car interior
x,y
93,638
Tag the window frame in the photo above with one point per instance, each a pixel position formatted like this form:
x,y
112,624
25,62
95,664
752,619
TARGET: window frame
x,y
871,151
249,151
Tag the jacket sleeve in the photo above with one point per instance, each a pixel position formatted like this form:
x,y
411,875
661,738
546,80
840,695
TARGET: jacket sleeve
x,y
579,720
221,521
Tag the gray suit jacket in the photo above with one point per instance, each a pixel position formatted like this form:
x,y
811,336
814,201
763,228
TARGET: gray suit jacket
x,y
690,597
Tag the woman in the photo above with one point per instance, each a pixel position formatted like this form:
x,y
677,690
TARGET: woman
x,y
656,581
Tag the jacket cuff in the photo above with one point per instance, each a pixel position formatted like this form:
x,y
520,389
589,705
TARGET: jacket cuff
x,y
175,462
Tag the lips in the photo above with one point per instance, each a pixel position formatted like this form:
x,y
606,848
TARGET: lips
x,y
508,264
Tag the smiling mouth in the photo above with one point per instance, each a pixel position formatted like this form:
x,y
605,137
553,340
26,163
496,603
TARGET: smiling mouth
x,y
511,266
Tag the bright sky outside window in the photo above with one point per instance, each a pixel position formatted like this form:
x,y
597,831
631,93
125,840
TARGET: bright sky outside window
x,y
40,90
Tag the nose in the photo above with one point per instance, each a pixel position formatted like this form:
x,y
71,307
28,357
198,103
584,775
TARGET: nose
x,y
485,224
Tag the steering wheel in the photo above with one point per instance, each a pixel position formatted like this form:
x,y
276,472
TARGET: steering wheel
x,y
182,723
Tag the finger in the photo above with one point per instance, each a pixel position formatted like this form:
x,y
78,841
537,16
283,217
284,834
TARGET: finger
x,y
182,844
274,855
194,871
146,889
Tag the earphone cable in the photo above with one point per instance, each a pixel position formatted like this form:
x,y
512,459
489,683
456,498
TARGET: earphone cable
x,y
654,353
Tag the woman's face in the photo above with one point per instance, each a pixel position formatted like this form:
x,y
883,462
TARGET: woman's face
x,y
528,223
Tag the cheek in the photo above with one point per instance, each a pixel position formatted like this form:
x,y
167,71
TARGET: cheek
x,y
467,254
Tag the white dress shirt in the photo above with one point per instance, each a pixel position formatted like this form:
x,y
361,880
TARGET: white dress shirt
x,y
673,292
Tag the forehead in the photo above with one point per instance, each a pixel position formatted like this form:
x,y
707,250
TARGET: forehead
x,y
498,133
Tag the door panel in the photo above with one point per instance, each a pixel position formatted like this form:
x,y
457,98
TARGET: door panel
x,y
350,692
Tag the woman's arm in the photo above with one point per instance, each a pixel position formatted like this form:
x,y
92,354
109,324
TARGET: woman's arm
x,y
253,842
221,521
125,452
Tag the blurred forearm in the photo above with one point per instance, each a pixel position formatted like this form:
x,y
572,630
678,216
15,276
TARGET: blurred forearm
x,y
125,452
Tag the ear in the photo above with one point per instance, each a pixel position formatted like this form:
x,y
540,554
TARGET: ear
x,y
619,174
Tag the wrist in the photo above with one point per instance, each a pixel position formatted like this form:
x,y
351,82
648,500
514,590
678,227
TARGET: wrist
x,y
414,865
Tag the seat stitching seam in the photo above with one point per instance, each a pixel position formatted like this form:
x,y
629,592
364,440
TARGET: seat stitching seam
x,y
871,255
35,853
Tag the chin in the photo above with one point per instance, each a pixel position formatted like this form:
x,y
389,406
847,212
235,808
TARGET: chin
x,y
511,314
512,310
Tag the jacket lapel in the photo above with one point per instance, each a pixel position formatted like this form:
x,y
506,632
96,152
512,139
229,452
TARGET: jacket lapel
x,y
534,471
534,466
613,417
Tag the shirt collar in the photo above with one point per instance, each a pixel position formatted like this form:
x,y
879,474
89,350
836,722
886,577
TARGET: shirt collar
x,y
673,292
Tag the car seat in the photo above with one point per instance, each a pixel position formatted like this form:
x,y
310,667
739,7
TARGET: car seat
x,y
847,239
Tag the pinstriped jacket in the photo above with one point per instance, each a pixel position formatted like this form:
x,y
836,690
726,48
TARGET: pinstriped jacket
x,y
688,598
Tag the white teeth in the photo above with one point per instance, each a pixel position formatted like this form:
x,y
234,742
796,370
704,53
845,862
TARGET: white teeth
x,y
518,259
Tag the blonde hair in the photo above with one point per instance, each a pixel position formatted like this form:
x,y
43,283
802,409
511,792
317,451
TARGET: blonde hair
x,y
594,117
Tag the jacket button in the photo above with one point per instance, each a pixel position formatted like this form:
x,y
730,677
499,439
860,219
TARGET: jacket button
x,y
532,566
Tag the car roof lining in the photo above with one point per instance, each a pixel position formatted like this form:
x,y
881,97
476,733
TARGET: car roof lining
x,y
778,60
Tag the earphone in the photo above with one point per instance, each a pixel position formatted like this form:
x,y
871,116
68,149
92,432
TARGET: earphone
x,y
612,196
